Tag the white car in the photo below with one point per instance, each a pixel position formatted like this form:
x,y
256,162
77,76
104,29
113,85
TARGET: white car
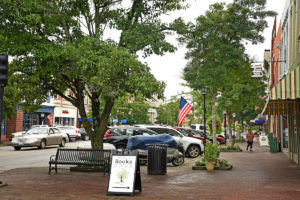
x,y
88,145
192,147
71,131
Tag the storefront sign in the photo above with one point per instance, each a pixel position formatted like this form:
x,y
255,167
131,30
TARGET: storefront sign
x,y
124,175
65,111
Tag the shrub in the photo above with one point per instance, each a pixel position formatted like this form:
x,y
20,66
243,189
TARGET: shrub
x,y
223,163
212,152
200,162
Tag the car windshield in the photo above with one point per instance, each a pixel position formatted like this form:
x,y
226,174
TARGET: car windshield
x,y
183,132
37,131
196,133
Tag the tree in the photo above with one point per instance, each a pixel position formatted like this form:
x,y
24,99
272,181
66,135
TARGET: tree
x,y
168,113
60,45
215,44
132,108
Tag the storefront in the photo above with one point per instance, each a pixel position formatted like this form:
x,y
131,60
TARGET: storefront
x,y
42,116
65,116
283,109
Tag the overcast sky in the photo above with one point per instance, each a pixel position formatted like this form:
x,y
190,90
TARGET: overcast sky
x,y
169,67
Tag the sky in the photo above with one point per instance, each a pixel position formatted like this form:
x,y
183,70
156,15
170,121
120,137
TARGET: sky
x,y
168,68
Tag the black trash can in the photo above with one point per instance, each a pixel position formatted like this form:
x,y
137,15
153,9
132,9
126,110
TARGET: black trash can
x,y
157,159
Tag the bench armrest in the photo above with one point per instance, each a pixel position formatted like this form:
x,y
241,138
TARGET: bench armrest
x,y
51,158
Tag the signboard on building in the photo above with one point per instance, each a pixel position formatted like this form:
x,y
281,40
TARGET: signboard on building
x,y
257,70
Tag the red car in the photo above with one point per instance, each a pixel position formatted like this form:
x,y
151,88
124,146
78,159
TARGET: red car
x,y
198,134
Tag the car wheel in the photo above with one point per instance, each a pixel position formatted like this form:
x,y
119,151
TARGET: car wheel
x,y
178,161
17,148
72,139
63,143
43,144
193,151
86,138
120,146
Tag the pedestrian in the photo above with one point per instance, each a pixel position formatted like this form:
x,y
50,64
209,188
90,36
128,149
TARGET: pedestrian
x,y
249,137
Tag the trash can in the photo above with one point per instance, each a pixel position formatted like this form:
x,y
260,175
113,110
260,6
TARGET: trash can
x,y
272,143
157,159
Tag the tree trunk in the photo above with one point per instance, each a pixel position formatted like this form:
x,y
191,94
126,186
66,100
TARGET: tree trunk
x,y
213,109
229,129
97,138
238,135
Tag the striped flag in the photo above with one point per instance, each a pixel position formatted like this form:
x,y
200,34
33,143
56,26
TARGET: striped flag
x,y
184,109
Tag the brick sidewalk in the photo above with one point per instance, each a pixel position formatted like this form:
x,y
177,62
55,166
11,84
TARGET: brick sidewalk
x,y
256,175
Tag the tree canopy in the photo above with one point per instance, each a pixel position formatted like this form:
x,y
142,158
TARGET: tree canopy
x,y
60,45
216,52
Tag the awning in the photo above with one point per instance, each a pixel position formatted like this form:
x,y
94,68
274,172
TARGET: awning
x,y
45,109
285,96
90,119
288,87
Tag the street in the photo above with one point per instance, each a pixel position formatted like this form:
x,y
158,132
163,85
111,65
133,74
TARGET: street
x,y
33,157
28,156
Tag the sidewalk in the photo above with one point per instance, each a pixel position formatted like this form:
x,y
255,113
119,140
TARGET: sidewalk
x,y
255,175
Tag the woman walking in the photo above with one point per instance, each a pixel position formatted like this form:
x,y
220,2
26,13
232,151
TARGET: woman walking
x,y
249,137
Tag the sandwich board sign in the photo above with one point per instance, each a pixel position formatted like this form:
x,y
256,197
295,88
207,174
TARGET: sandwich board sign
x,y
124,176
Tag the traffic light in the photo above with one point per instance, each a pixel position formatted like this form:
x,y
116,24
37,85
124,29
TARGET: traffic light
x,y
3,68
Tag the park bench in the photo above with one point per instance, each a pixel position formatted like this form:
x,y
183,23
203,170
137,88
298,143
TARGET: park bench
x,y
82,157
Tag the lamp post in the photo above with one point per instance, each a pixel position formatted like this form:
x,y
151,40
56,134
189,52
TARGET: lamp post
x,y
203,91
233,115
225,127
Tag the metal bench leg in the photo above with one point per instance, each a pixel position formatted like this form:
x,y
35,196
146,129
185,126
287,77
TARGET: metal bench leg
x,y
56,168
49,169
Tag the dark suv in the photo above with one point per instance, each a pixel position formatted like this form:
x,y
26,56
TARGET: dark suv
x,y
118,136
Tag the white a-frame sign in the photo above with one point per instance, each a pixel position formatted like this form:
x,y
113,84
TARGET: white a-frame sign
x,y
125,175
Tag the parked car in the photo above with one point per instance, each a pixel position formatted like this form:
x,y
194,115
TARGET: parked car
x,y
118,136
128,131
40,137
88,145
140,143
83,134
192,147
22,132
192,133
72,132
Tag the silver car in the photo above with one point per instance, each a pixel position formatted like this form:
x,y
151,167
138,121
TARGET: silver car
x,y
40,137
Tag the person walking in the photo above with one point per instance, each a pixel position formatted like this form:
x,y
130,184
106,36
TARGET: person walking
x,y
249,137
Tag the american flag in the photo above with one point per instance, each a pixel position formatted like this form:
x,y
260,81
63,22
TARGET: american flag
x,y
184,109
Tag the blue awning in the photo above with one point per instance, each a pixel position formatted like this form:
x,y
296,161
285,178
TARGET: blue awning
x,y
90,119
45,109
260,121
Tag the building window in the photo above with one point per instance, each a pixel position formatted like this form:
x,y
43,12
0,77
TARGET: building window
x,y
29,120
64,121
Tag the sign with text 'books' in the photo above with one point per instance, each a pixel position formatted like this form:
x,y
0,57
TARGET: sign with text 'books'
x,y
124,175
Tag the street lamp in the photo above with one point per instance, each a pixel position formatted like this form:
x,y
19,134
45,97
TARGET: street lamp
x,y
225,126
233,115
203,91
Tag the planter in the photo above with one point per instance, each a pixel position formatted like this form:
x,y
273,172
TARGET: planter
x,y
85,169
210,166
216,168
230,150
224,168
